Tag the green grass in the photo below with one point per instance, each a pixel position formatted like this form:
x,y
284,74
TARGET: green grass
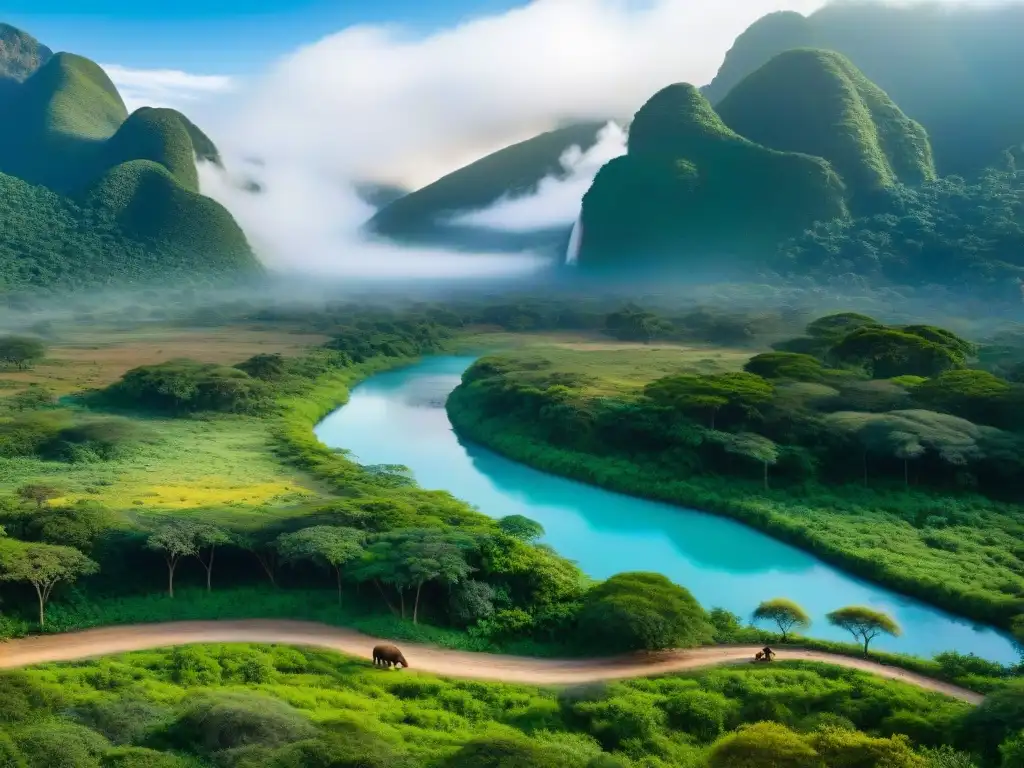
x,y
142,699
689,183
820,104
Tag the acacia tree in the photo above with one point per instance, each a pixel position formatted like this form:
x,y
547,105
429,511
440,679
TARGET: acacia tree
x,y
175,540
785,613
43,566
207,538
864,623
749,445
21,351
737,391
332,546
409,558
264,551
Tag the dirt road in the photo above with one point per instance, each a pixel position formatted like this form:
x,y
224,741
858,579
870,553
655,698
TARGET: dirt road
x,y
483,666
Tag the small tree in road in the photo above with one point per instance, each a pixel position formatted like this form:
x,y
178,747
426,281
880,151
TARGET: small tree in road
x,y
175,540
864,623
43,566
330,545
785,613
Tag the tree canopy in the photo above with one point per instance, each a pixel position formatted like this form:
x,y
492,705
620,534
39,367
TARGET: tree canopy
x,y
864,623
642,611
785,614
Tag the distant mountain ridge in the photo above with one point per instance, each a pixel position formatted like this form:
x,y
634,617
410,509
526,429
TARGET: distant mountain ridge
x,y
128,182
817,103
516,170
955,69
691,186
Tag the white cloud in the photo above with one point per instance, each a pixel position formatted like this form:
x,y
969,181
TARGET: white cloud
x,y
556,202
379,102
307,220
165,87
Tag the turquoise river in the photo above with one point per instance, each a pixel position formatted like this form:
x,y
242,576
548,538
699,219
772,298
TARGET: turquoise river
x,y
398,417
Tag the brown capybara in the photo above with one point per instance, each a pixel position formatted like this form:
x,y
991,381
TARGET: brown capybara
x,y
388,655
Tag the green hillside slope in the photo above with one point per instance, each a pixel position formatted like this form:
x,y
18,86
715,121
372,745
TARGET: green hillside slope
x,y
20,54
514,170
953,68
816,102
690,187
90,195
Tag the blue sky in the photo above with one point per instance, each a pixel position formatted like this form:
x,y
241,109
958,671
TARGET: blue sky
x,y
217,36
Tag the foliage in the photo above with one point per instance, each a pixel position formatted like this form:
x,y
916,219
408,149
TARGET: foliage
x,y
786,614
44,566
890,352
785,365
736,394
185,386
321,710
21,351
641,611
864,623
520,527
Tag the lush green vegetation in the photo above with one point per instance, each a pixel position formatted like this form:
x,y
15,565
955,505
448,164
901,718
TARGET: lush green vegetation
x,y
689,184
514,170
238,706
952,69
830,110
92,196
861,471
948,231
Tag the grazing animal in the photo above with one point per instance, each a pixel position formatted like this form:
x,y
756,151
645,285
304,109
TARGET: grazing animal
x,y
389,655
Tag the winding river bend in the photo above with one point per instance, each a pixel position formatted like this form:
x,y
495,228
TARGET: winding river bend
x,y
398,417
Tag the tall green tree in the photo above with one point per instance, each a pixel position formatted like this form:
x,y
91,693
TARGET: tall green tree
x,y
208,537
864,623
21,351
749,445
785,614
739,392
174,540
44,566
642,611
331,546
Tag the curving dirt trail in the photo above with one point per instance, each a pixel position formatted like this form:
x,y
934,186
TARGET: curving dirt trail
x,y
483,666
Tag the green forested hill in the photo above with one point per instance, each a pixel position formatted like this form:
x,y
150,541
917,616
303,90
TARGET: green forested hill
x,y
816,102
512,171
690,187
953,68
92,195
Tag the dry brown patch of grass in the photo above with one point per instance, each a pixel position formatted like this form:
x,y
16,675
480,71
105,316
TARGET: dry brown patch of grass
x,y
96,357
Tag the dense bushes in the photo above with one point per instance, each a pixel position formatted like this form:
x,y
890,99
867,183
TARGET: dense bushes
x,y
642,611
185,386
948,231
319,710
58,435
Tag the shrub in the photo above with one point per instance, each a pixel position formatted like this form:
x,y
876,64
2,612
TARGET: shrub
x,y
185,386
59,744
212,722
642,611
